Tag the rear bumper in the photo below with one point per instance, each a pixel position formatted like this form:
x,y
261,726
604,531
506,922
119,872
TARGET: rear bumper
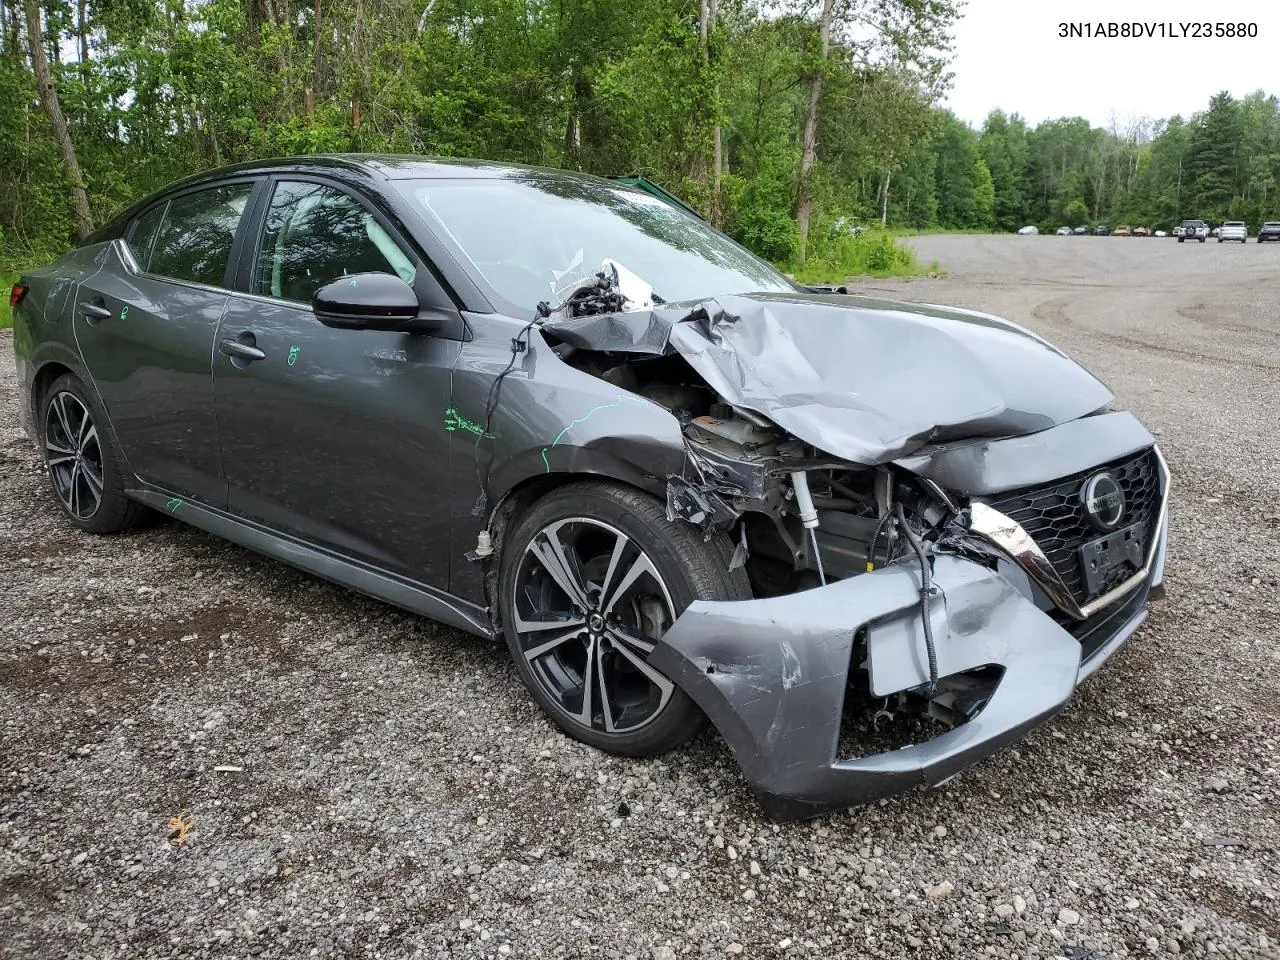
x,y
772,674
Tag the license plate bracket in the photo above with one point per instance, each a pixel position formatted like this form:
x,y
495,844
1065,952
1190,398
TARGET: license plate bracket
x,y
1099,558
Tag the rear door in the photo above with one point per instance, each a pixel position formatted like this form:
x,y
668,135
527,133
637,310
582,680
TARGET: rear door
x,y
145,326
337,437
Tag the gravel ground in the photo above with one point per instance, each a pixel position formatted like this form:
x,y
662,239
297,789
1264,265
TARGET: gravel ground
x,y
394,793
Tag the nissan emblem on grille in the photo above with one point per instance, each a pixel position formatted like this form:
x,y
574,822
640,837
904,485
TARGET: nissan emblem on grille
x,y
1103,500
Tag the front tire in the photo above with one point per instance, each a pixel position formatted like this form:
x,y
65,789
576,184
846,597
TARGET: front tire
x,y
591,578
82,460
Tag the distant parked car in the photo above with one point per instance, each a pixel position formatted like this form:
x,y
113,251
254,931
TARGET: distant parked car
x,y
1141,232
1213,232
1030,230
1193,230
1101,230
1161,233
1080,231
848,227
1233,230
1123,231
1269,231
1063,231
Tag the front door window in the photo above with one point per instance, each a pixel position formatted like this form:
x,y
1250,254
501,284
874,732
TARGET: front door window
x,y
315,234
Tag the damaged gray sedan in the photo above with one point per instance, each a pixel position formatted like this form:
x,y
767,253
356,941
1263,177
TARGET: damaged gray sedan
x,y
870,542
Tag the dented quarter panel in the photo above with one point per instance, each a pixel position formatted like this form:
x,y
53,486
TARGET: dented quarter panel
x,y
983,467
42,331
771,676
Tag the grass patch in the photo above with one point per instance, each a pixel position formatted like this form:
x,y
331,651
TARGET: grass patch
x,y
7,279
943,231
875,253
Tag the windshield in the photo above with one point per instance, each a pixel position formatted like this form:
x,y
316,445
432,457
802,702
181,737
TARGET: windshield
x,y
532,238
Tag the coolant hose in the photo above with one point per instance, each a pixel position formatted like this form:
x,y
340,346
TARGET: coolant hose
x,y
926,591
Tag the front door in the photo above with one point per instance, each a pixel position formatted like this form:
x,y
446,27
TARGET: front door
x,y
145,326
334,436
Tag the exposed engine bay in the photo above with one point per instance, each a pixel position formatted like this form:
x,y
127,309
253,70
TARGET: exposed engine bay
x,y
849,486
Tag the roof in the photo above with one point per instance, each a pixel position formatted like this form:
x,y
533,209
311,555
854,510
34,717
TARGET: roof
x,y
390,166
354,166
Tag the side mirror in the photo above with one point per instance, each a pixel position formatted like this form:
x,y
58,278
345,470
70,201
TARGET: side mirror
x,y
367,301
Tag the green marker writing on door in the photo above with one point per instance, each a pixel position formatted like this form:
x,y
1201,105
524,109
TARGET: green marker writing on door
x,y
293,356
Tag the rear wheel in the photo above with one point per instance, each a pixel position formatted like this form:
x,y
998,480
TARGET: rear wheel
x,y
592,577
83,464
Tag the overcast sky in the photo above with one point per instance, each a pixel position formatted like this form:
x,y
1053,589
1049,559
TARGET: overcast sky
x,y
1008,54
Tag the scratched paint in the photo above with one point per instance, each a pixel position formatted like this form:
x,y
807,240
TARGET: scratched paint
x,y
454,421
173,504
584,418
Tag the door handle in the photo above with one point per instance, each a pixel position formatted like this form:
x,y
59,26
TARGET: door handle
x,y
240,351
93,312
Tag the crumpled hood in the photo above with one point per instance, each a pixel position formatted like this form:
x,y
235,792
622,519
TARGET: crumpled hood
x,y
862,379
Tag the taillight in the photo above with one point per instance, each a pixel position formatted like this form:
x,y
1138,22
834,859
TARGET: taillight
x,y
16,294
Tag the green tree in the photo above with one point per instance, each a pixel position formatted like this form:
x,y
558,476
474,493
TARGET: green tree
x,y
955,150
1003,147
984,196
1213,157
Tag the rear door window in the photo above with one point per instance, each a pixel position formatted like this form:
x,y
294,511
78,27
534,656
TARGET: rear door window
x,y
315,234
195,240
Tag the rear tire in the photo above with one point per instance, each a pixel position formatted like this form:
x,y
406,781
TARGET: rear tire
x,y
591,577
82,460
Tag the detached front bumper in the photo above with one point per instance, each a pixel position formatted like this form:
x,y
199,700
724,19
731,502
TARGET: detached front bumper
x,y
772,674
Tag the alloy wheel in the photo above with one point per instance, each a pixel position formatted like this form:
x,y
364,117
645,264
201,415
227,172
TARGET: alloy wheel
x,y
589,607
73,454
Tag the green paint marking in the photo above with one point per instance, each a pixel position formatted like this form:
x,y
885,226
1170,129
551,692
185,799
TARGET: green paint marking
x,y
173,505
124,313
293,356
584,418
454,421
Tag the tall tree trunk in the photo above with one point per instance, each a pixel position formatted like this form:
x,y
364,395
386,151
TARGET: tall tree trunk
x,y
357,48
884,200
717,146
313,91
49,101
82,30
809,151
707,26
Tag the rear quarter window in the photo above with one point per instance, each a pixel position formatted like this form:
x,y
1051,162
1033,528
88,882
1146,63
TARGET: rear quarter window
x,y
194,241
141,235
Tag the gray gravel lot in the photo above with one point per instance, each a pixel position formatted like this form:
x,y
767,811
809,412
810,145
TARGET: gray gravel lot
x,y
398,794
